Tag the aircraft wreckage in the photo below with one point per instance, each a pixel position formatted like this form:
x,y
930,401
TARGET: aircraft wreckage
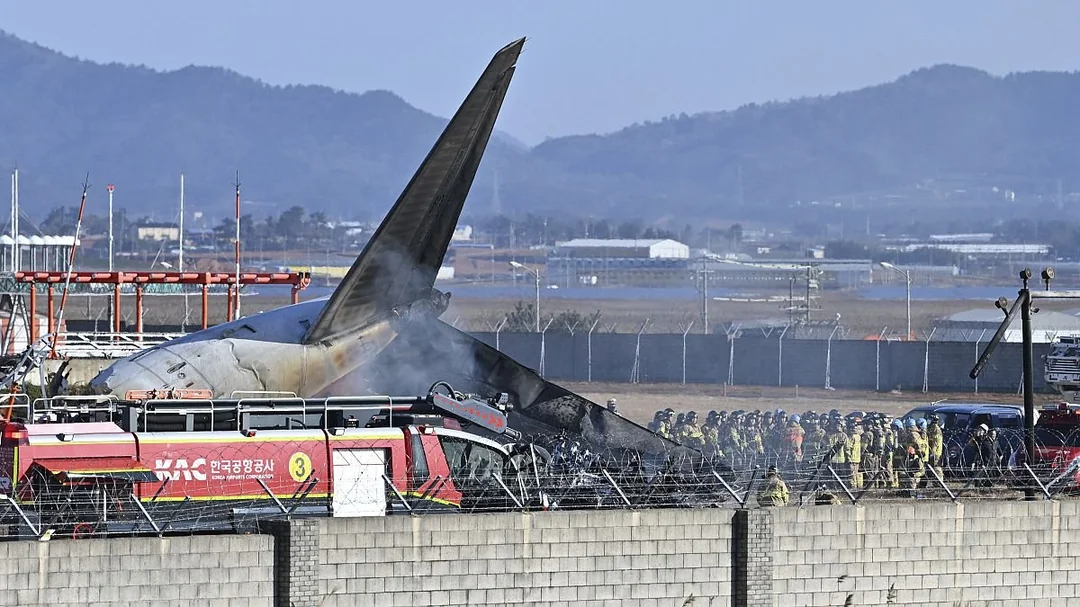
x,y
380,333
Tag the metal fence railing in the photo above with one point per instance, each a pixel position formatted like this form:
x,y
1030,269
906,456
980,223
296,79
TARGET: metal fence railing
x,y
108,345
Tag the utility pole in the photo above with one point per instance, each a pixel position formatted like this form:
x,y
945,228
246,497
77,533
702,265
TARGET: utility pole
x,y
1023,303
809,284
704,296
110,188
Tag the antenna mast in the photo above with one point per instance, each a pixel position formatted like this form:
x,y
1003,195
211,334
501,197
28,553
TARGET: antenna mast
x,y
237,299
110,188
71,266
181,260
15,224
14,235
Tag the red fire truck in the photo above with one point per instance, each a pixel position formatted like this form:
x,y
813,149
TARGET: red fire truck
x,y
1057,440
189,463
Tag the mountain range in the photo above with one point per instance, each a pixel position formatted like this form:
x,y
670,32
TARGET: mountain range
x,y
938,138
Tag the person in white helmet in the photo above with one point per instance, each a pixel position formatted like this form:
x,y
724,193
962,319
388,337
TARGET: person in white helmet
x,y
611,406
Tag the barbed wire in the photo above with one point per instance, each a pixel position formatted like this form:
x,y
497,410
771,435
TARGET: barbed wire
x,y
228,490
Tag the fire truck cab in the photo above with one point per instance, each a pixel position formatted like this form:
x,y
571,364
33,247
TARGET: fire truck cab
x,y
186,462
1057,439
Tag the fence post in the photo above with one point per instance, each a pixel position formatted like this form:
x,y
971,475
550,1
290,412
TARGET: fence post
x,y
543,345
635,372
828,359
498,330
688,327
780,357
732,334
977,342
589,345
877,360
926,361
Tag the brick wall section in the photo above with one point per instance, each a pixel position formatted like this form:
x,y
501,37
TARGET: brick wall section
x,y
584,559
296,562
975,553
180,571
751,559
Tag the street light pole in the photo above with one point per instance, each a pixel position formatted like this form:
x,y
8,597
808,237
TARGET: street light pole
x,y
907,291
536,276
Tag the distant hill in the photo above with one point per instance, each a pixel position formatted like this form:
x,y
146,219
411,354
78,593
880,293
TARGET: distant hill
x,y
346,153
936,139
918,139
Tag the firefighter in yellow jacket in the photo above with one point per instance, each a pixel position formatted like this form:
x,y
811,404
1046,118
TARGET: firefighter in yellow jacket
x,y
937,444
855,449
775,492
917,450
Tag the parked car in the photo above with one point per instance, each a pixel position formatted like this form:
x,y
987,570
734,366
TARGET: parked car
x,y
959,421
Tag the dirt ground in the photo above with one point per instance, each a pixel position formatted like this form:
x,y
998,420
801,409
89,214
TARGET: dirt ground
x,y
639,401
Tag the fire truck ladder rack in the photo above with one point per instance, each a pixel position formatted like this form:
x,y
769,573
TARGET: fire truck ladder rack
x,y
456,405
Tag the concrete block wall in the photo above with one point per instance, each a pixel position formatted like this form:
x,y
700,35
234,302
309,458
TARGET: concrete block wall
x,y
976,553
201,570
583,559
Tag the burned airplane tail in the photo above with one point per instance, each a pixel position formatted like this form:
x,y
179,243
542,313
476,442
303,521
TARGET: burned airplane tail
x,y
396,271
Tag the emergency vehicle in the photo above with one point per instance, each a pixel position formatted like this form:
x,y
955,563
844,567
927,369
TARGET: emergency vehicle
x,y
164,464
1057,439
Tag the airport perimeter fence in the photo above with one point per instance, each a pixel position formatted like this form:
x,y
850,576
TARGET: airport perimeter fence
x,y
776,357
220,494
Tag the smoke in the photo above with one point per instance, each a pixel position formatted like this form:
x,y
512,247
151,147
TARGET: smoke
x,y
388,286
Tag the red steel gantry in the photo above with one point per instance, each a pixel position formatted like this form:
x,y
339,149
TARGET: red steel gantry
x,y
298,281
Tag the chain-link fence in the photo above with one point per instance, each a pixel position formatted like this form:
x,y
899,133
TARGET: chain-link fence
x,y
828,356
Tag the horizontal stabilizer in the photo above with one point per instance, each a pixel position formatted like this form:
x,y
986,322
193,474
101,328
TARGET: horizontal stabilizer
x,y
399,263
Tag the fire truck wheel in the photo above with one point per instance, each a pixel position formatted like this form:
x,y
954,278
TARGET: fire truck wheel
x,y
82,530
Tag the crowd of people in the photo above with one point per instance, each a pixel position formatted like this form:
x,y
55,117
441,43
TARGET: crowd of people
x,y
865,450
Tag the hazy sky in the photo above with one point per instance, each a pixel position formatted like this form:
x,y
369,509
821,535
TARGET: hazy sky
x,y
589,66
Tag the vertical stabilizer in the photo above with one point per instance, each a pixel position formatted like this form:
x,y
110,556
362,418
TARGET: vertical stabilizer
x,y
399,264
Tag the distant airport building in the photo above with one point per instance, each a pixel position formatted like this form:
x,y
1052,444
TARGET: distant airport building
x,y
622,247
982,250
157,231
619,261
980,324
983,237
588,262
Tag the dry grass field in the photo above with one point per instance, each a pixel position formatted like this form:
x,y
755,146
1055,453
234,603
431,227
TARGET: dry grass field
x,y
862,317
639,401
